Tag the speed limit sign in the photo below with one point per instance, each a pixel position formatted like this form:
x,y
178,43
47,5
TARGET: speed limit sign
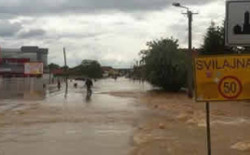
x,y
222,78
230,87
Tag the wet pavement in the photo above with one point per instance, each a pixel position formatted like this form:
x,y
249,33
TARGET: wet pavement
x,y
122,117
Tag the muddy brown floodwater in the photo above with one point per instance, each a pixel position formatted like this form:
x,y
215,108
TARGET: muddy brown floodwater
x,y
122,117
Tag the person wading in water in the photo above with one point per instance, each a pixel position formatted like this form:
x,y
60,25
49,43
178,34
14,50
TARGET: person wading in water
x,y
89,84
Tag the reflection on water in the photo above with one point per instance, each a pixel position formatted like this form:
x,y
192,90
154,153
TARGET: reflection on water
x,y
22,88
37,89
121,84
88,97
59,125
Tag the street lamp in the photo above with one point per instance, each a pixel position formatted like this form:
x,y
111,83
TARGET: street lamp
x,y
189,75
179,5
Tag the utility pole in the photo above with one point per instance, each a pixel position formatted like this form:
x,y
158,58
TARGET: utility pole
x,y
65,60
190,55
190,52
66,72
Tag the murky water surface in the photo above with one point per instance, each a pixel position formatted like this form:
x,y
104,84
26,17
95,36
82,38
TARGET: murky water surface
x,y
121,117
59,121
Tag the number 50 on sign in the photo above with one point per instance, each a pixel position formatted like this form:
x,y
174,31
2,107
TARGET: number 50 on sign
x,y
222,78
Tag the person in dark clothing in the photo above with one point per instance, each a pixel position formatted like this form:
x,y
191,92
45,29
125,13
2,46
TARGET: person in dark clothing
x,y
75,85
58,84
89,84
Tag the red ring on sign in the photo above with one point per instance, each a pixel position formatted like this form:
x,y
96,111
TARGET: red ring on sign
x,y
237,80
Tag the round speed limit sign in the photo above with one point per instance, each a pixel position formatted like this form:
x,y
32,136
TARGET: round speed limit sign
x,y
230,87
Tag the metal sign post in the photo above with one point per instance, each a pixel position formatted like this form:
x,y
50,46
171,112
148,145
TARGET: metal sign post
x,y
226,77
208,129
221,78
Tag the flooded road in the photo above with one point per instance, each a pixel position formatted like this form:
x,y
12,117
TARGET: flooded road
x,y
59,123
121,118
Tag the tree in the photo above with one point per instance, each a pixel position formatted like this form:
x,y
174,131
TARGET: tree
x,y
89,68
53,66
165,65
214,41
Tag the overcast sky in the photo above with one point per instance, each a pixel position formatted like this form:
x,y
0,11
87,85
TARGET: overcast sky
x,y
110,31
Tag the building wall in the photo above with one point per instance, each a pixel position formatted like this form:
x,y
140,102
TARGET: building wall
x,y
31,53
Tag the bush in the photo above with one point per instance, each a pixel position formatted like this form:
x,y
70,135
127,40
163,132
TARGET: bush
x,y
164,64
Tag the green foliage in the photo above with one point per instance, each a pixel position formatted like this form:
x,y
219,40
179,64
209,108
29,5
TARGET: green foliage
x,y
88,68
214,41
53,66
65,67
164,64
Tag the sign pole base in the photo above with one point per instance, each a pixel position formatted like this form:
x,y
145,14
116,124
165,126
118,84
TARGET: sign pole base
x,y
208,128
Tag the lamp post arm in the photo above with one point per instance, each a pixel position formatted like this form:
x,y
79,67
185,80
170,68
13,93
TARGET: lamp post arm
x,y
181,6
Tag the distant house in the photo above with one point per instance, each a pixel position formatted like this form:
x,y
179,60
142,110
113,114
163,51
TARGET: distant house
x,y
58,72
107,68
108,71
124,71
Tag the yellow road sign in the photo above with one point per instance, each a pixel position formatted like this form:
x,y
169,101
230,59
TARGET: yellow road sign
x,y
222,78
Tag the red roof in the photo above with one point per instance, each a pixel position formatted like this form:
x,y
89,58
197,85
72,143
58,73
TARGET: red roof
x,y
57,71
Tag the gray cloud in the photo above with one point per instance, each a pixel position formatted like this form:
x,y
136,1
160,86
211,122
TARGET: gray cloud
x,y
31,33
117,64
29,7
111,31
8,29
86,35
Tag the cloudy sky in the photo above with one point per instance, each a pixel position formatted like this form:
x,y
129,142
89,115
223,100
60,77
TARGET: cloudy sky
x,y
110,31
